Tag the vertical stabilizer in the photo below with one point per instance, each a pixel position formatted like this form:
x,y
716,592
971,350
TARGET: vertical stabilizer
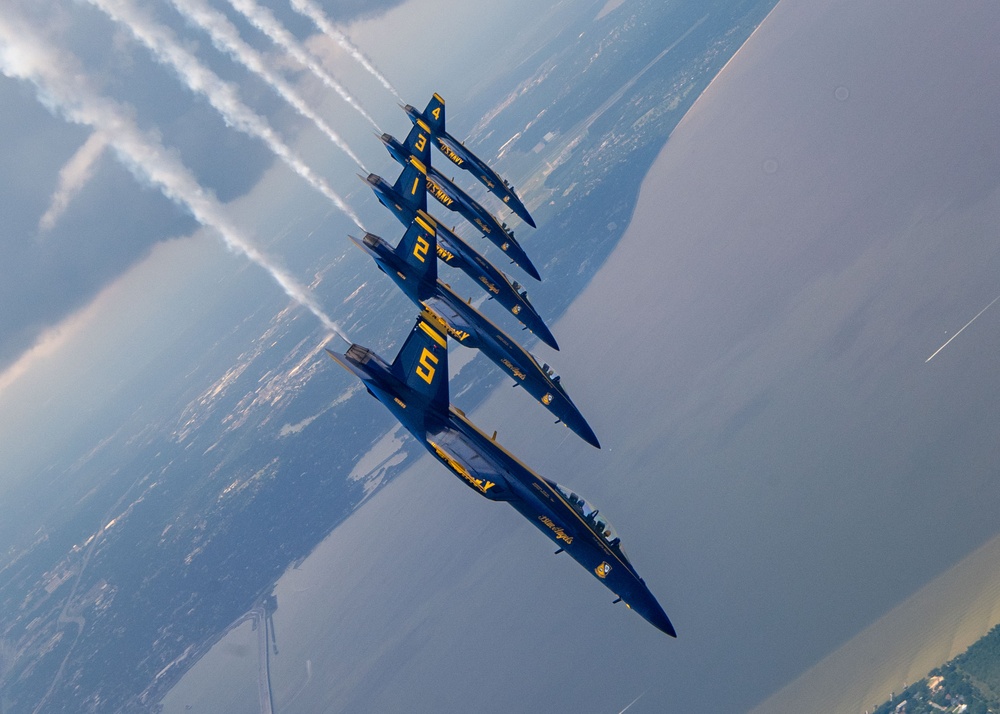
x,y
422,363
418,142
411,186
434,113
418,249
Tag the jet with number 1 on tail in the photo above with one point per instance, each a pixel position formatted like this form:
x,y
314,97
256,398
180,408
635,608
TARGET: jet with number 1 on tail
x,y
414,387
417,145
456,151
412,266
448,194
408,196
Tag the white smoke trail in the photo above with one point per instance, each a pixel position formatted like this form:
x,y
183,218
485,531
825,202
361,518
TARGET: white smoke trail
x,y
72,178
221,95
65,91
265,21
227,39
313,11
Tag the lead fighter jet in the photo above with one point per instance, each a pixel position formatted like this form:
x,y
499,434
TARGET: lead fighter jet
x,y
453,198
448,194
433,117
415,389
413,267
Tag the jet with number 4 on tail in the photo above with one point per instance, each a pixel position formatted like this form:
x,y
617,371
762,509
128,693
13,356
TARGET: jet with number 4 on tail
x,y
433,117
415,389
412,266
408,196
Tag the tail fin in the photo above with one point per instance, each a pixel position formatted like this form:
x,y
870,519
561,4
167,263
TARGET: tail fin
x,y
434,113
418,249
422,362
412,185
418,142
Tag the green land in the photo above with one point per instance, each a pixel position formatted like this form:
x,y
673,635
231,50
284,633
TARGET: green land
x,y
968,684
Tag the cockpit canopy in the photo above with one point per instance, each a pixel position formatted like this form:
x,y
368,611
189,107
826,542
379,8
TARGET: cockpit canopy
x,y
598,523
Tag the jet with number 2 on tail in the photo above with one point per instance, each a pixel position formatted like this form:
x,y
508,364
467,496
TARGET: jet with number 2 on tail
x,y
415,389
433,117
412,266
408,196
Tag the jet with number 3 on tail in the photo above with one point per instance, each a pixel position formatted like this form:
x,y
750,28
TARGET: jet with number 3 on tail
x,y
417,145
414,387
412,266
433,117
448,194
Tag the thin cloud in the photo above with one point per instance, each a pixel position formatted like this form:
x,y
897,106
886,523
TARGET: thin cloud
x,y
313,11
262,18
227,39
65,91
220,94
72,178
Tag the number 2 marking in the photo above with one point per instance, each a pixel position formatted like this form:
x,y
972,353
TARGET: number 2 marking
x,y
421,248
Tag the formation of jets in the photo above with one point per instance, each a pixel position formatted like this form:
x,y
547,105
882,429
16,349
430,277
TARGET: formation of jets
x,y
414,386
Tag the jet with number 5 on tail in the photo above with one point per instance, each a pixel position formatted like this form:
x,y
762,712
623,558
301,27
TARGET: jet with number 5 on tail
x,y
415,389
408,196
456,151
412,266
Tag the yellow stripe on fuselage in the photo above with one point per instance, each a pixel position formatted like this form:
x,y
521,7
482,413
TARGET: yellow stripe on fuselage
x,y
429,227
434,334
418,164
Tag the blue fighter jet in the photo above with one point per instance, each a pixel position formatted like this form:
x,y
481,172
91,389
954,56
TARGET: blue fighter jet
x,y
453,198
448,194
433,117
407,196
415,389
412,266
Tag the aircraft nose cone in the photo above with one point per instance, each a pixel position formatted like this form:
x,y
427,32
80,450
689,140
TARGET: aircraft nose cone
x,y
530,221
652,613
531,269
545,335
588,435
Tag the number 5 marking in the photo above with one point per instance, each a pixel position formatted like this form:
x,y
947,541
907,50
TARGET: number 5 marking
x,y
425,370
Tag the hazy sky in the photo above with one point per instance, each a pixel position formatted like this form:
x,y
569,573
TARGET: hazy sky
x,y
782,463
84,213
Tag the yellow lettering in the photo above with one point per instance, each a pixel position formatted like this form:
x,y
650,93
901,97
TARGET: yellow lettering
x,y
445,255
558,530
416,185
436,113
421,248
426,369
421,142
